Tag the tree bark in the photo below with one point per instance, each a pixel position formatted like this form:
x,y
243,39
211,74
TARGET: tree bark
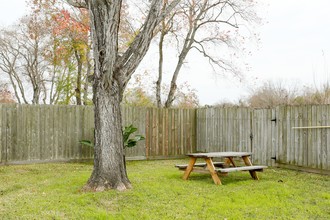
x,y
171,94
109,167
163,32
160,71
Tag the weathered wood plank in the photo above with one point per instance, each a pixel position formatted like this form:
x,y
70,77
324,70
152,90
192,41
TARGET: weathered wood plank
x,y
304,144
244,168
323,117
3,135
56,132
184,166
20,119
327,149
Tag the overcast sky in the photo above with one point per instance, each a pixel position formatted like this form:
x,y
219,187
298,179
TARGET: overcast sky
x,y
294,48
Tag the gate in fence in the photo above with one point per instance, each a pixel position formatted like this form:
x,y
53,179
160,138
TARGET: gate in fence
x,y
296,136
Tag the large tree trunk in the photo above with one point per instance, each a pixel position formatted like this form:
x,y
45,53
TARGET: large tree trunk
x,y
111,75
109,167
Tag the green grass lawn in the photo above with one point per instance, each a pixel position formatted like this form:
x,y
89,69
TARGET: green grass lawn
x,y
53,191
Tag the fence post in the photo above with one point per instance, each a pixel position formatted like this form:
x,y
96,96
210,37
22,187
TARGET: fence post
x,y
147,132
251,132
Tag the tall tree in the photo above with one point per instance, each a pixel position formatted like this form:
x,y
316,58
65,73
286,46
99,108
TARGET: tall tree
x,y
9,59
204,25
5,95
48,53
68,52
113,71
165,27
71,32
21,52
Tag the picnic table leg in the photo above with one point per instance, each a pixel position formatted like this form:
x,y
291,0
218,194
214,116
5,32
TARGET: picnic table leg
x,y
230,160
247,162
189,168
211,168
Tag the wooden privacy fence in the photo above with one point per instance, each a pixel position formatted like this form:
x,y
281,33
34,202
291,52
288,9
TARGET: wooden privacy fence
x,y
237,129
32,133
303,136
223,129
296,136
293,136
169,133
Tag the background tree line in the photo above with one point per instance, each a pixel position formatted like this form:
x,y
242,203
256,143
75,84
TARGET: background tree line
x,y
275,93
47,56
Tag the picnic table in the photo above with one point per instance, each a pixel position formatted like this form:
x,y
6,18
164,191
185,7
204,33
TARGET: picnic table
x,y
215,168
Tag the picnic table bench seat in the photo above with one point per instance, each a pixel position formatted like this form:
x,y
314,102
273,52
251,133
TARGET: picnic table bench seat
x,y
243,168
184,166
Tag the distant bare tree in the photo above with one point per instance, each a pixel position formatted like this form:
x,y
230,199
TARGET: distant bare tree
x,y
313,96
5,95
203,25
21,59
9,63
272,94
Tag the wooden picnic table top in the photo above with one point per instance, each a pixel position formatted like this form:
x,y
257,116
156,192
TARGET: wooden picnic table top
x,y
219,154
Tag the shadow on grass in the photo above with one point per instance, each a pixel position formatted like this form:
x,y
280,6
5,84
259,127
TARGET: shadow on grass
x,y
207,179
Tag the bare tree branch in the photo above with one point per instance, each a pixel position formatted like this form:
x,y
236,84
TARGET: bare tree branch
x,y
206,22
129,61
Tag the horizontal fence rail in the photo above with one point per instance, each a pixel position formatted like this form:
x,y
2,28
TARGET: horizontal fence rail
x,y
289,135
